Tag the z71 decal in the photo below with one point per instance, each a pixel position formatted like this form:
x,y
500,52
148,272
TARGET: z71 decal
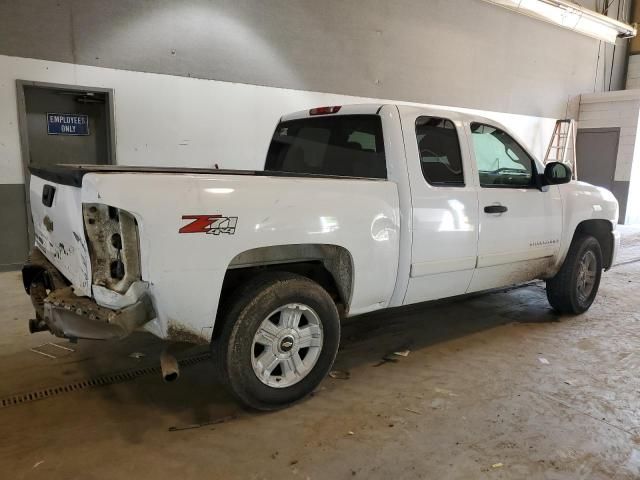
x,y
211,224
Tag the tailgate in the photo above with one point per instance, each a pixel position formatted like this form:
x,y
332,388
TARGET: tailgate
x,y
58,227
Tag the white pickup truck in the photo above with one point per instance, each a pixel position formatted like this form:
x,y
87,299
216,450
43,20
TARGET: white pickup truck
x,y
359,208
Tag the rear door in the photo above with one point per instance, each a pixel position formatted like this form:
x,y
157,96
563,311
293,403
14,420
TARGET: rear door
x,y
445,206
520,226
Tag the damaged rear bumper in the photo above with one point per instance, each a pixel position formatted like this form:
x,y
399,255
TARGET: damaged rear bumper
x,y
70,316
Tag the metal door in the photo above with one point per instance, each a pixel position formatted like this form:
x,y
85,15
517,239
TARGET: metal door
x,y
58,124
596,153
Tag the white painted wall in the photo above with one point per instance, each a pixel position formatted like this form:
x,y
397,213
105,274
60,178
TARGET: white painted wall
x,y
177,121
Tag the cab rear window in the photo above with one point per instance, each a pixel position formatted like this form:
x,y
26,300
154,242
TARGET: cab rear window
x,y
341,145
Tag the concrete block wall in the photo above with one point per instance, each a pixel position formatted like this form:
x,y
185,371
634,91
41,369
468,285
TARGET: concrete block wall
x,y
619,109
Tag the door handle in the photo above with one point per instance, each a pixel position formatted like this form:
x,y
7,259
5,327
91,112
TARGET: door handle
x,y
495,209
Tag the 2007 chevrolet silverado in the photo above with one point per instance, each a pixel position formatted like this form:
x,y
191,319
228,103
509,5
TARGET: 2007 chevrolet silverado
x,y
359,208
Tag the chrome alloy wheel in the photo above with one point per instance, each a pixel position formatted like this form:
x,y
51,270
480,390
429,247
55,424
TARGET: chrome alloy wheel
x,y
287,345
586,275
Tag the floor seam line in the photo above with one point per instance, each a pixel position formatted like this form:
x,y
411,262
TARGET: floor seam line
x,y
571,407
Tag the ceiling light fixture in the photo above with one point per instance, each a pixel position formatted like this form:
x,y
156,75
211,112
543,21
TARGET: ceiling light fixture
x,y
571,16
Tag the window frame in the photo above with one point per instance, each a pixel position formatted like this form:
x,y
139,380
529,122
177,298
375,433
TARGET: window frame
x,y
441,184
534,183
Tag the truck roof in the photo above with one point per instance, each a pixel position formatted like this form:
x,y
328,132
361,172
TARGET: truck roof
x,y
374,108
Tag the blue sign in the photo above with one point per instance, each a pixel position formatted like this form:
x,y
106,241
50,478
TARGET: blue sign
x,y
67,124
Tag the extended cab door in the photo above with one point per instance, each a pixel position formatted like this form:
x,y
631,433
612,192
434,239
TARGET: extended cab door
x,y
445,205
520,225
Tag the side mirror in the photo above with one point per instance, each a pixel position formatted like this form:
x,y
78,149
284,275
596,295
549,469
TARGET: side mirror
x,y
556,173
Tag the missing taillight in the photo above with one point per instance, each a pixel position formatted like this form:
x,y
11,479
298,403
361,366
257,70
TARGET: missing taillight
x,y
112,237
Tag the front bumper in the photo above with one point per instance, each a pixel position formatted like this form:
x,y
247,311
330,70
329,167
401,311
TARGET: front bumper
x,y
67,315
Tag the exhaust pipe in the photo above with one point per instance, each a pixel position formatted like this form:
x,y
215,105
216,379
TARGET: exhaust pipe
x,y
169,366
36,325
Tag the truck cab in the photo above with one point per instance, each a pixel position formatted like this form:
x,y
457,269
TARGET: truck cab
x,y
478,211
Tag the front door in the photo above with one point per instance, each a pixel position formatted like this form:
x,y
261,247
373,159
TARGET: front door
x,y
445,207
520,226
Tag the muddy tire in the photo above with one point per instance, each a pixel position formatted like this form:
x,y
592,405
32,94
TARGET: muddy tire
x,y
575,286
279,338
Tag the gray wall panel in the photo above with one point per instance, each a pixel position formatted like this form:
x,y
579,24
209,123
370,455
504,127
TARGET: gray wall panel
x,y
13,218
452,52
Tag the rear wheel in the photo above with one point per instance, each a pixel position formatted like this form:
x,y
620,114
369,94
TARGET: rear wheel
x,y
575,286
278,341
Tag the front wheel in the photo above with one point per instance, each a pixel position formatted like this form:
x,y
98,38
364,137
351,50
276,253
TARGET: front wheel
x,y
575,286
279,339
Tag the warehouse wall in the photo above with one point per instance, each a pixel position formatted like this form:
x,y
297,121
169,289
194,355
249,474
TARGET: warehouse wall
x,y
452,52
633,72
172,120
462,53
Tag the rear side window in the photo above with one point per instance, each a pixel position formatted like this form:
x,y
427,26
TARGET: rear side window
x,y
439,148
342,145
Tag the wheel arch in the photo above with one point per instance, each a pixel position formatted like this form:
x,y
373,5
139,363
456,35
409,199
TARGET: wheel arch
x,y
601,230
331,266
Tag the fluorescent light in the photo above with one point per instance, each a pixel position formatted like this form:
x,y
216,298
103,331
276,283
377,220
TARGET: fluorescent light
x,y
571,16
219,190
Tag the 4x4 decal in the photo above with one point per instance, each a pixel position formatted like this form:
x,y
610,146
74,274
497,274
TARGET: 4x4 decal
x,y
211,224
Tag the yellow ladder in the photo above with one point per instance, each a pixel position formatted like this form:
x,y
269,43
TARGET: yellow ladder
x,y
562,147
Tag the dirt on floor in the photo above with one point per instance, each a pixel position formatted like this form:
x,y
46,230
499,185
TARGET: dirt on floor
x,y
490,386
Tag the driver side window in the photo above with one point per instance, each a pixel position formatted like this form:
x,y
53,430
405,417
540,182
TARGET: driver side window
x,y
501,161
439,148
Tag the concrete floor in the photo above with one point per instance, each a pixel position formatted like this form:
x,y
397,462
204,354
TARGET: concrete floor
x,y
495,386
